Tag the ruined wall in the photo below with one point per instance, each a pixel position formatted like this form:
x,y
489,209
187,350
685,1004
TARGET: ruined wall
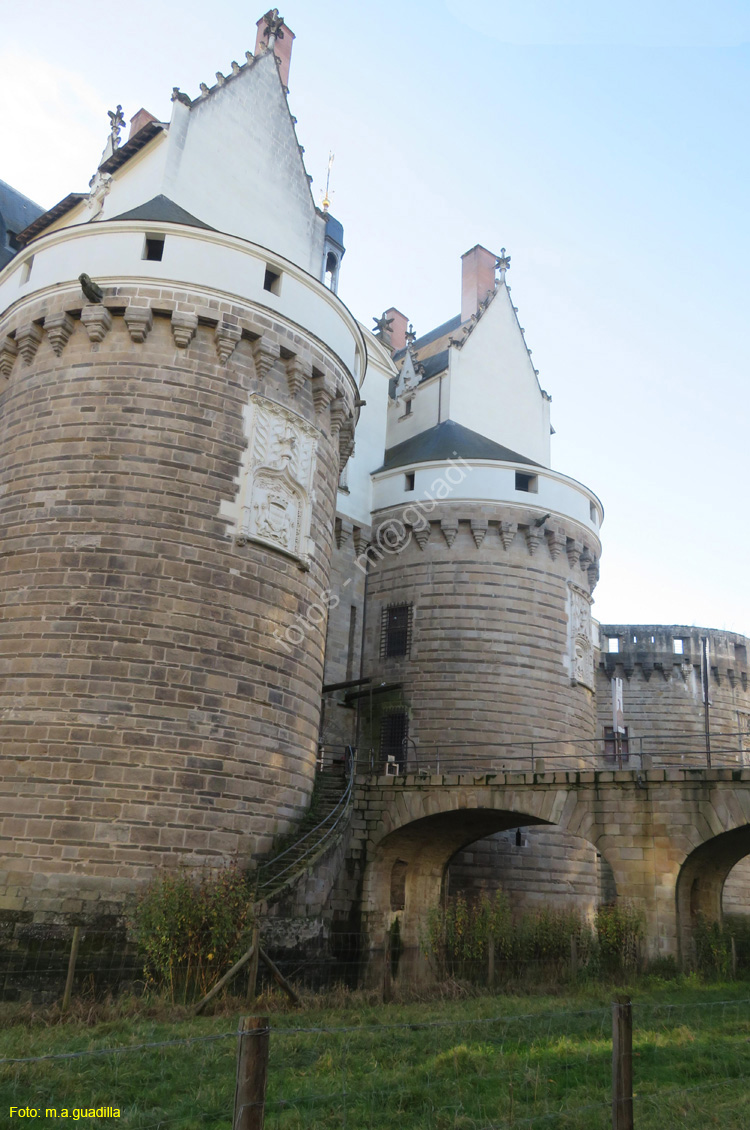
x,y
152,708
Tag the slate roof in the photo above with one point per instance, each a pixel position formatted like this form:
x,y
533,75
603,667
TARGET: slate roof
x,y
49,217
162,209
17,210
439,331
445,441
133,146
435,364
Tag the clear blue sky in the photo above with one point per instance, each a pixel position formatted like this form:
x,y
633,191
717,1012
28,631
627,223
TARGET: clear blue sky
x,y
605,148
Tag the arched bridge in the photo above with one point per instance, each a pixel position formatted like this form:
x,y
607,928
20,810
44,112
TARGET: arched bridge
x,y
671,836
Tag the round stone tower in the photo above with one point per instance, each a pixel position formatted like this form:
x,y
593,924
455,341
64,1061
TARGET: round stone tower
x,y
483,558
172,429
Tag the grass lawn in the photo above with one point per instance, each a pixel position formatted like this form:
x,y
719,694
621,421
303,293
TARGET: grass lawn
x,y
473,1063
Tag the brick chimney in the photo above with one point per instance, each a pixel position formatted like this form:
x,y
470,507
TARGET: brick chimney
x,y
477,279
282,48
398,329
138,121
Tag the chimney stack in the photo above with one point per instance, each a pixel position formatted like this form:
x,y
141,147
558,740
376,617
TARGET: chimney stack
x,y
477,279
398,328
138,121
282,47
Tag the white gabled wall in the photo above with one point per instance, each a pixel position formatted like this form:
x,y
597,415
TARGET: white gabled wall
x,y
234,162
493,387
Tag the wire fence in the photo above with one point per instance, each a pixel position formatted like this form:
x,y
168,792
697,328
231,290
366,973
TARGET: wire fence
x,y
691,1067
35,969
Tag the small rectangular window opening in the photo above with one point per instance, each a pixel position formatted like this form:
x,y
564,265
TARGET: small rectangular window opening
x,y
528,483
153,248
26,270
409,480
407,408
592,512
678,647
272,281
613,644
395,631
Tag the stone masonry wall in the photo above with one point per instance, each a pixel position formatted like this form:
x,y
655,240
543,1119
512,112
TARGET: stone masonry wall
x,y
662,691
151,710
493,641
548,869
343,658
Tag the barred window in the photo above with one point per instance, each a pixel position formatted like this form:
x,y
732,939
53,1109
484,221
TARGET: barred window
x,y
395,631
394,732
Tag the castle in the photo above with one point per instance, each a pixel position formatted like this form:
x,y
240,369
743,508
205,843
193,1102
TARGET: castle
x,y
242,532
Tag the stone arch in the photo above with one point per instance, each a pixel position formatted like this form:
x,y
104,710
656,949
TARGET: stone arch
x,y
700,883
422,829
543,865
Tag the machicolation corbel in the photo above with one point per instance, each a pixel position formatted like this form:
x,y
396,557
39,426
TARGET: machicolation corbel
x,y
184,325
226,337
139,321
8,354
97,321
58,328
28,339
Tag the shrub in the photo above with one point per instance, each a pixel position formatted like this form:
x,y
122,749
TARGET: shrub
x,y
191,928
458,935
620,930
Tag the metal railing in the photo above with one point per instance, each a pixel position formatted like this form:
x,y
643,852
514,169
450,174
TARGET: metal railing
x,y
638,753
312,843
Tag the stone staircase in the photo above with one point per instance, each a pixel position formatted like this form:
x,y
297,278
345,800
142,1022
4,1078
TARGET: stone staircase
x,y
327,814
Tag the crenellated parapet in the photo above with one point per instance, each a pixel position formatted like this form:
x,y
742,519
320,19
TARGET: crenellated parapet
x,y
673,652
499,529
313,375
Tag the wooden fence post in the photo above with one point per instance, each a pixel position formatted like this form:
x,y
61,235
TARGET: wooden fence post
x,y
734,956
252,1073
490,961
71,968
573,956
622,1065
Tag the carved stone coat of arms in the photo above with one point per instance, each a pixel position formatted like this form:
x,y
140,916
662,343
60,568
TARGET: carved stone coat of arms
x,y
276,482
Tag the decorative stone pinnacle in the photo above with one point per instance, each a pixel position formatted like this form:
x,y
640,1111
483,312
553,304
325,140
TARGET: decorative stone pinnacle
x,y
204,89
220,78
274,28
116,123
503,264
178,96
382,329
410,335
235,67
